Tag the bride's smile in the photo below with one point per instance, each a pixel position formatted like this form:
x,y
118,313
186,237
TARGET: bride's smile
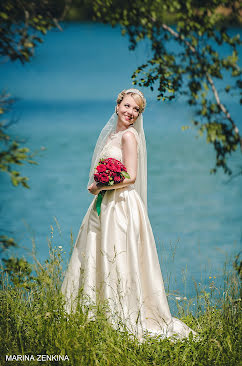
x,y
128,112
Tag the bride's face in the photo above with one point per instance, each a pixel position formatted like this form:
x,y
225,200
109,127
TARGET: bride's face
x,y
128,111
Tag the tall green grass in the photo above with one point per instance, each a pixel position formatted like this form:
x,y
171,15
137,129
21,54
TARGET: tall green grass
x,y
34,322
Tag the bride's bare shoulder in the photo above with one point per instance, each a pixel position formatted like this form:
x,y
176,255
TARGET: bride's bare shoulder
x,y
130,140
131,134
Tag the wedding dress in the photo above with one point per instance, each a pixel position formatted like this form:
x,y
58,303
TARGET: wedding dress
x,y
115,258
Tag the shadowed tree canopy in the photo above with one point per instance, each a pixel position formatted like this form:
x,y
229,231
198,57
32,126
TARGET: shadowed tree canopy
x,y
186,58
23,24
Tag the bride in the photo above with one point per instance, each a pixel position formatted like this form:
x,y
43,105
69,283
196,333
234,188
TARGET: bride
x,y
115,256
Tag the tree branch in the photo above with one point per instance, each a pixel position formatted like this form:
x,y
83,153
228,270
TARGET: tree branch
x,y
209,79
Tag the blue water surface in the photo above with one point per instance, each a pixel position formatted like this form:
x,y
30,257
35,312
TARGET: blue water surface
x,y
66,94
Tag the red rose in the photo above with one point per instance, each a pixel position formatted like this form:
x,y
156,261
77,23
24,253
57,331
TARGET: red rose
x,y
123,167
101,168
96,177
117,179
104,178
110,165
117,168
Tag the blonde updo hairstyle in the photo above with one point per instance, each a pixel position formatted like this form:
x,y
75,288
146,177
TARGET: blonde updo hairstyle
x,y
141,101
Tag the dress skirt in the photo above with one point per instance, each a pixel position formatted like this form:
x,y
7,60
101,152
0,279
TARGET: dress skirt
x,y
115,259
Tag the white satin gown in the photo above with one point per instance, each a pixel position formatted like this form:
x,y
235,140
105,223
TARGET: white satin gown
x,y
115,259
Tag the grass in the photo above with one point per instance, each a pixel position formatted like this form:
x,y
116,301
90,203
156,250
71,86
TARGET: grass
x,y
34,322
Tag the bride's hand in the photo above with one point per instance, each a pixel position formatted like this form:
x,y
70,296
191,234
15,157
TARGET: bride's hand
x,y
93,188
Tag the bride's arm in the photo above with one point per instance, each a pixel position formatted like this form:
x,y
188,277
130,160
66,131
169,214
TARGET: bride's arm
x,y
129,147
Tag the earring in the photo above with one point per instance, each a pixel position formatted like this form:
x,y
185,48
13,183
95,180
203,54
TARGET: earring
x,y
116,111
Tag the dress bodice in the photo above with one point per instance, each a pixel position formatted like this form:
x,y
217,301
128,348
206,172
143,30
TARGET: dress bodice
x,y
113,146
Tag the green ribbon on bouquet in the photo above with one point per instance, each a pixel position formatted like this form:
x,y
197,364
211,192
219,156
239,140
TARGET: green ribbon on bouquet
x,y
99,201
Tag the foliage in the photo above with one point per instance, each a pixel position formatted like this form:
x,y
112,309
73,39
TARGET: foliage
x,y
81,11
12,153
19,271
238,265
185,59
6,243
33,321
22,24
78,11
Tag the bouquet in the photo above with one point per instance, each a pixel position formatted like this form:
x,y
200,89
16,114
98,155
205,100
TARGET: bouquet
x,y
107,173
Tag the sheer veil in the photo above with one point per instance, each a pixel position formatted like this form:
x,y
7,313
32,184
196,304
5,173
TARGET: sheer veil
x,y
140,184
101,141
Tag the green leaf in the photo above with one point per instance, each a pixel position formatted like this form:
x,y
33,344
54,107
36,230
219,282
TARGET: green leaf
x,y
125,174
28,44
3,15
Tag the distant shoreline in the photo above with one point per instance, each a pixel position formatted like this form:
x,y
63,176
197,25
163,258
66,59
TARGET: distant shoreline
x,y
85,14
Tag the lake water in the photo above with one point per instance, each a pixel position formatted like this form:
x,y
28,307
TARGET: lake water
x,y
66,95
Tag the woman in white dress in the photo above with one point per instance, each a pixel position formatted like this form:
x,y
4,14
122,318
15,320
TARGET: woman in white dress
x,y
115,257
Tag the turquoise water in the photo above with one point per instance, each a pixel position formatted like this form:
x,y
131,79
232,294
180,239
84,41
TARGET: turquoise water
x,y
67,93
